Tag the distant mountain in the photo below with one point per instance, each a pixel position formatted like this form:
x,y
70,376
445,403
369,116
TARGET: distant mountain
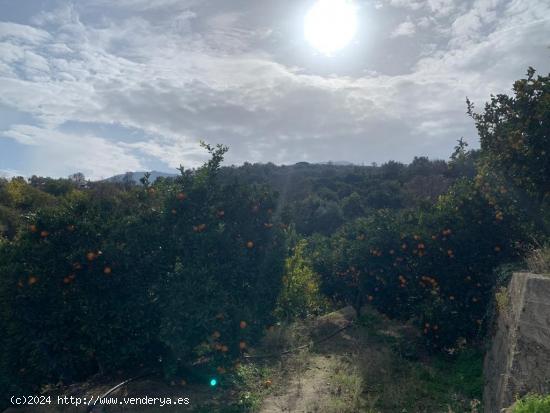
x,y
338,163
136,176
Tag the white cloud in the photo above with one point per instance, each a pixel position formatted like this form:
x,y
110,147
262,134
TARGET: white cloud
x,y
9,173
190,75
406,28
55,152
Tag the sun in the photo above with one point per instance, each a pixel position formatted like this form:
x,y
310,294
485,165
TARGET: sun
x,y
330,25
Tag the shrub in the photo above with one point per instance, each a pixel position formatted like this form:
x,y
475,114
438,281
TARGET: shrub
x,y
300,295
532,404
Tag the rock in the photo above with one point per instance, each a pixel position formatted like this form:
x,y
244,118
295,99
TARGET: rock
x,y
518,361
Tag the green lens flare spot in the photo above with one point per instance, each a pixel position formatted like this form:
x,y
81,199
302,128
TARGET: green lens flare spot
x,y
213,382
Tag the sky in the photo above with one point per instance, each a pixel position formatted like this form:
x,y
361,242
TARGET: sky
x,y
103,87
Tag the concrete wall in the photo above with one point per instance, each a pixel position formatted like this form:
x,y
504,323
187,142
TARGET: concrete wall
x,y
518,361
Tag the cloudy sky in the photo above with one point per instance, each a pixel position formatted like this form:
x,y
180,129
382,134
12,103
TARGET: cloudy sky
x,y
103,86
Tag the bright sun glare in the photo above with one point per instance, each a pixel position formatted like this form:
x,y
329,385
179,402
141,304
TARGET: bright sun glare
x,y
330,25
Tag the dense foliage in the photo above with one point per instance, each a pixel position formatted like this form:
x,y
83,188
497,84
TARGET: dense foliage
x,y
435,264
109,278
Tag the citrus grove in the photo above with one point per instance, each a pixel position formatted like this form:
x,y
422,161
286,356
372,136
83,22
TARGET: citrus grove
x,y
105,277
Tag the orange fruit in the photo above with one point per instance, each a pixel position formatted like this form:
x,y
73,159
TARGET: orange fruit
x,y
225,349
44,234
216,334
66,280
90,256
242,345
370,297
268,383
32,228
107,270
249,245
33,280
242,324
181,196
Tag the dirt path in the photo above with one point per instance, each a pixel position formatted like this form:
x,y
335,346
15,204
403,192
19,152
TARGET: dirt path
x,y
311,387
305,392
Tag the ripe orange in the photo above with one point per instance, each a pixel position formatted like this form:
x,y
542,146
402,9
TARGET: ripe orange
x,y
216,334
44,234
370,297
268,383
242,324
242,345
249,245
107,270
33,280
225,349
181,196
32,228
90,256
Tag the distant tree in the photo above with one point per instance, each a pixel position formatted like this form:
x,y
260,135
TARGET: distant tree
x,y
78,178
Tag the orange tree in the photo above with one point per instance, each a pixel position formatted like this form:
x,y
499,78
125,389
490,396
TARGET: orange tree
x,y
432,266
115,278
514,169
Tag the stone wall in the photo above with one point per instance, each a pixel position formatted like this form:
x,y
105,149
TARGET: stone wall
x,y
518,361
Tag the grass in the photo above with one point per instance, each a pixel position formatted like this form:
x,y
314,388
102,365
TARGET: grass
x,y
538,260
533,404
395,381
380,376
